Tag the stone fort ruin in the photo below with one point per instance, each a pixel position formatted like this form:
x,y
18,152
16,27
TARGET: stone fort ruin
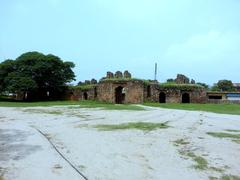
x,y
121,88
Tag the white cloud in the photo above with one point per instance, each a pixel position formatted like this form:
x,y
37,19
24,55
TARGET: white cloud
x,y
211,56
213,46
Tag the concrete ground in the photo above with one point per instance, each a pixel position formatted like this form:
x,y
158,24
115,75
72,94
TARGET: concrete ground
x,y
182,151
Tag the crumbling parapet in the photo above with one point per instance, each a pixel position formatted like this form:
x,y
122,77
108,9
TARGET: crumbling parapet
x,y
94,81
182,79
118,75
127,75
193,81
87,82
110,75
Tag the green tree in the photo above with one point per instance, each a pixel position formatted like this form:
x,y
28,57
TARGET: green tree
x,y
35,73
6,67
19,84
215,88
225,85
203,84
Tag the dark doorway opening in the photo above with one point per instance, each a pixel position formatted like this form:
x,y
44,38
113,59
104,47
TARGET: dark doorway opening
x,y
162,97
119,95
85,96
148,91
185,98
95,92
215,97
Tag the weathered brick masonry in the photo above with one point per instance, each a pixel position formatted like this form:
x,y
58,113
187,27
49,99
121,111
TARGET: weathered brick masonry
x,y
121,88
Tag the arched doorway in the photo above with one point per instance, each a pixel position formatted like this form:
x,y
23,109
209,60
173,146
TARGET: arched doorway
x,y
185,98
119,96
162,97
85,96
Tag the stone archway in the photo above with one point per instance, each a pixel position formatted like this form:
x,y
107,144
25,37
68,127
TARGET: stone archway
x,y
119,96
185,98
162,97
85,96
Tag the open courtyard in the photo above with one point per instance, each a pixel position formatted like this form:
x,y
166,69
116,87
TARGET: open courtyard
x,y
126,142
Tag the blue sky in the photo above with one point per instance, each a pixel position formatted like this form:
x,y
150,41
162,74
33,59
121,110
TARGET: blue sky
x,y
199,38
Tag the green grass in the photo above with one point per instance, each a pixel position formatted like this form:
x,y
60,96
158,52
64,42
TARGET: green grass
x,y
185,87
42,111
212,178
201,163
234,137
224,135
82,104
109,106
216,108
181,142
83,87
220,170
144,126
232,130
230,177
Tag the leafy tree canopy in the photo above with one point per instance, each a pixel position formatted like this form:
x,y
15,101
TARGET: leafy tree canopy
x,y
223,85
203,84
34,71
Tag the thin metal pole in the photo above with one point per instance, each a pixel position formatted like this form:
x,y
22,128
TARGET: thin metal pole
x,y
155,74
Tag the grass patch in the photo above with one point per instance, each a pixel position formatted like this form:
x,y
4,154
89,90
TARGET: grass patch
x,y
186,87
201,163
212,178
234,137
54,112
144,126
108,106
1,178
83,87
230,177
181,142
217,169
224,135
216,108
232,130
82,104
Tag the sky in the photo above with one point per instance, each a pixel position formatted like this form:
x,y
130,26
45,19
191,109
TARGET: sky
x,y
198,38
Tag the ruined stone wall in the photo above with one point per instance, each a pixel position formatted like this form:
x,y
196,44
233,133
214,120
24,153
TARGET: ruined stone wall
x,y
78,94
199,96
133,91
106,92
174,95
